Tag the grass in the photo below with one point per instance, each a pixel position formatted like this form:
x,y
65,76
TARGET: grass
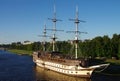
x,y
21,52
112,61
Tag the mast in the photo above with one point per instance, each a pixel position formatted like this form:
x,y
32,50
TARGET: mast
x,y
54,20
77,32
44,38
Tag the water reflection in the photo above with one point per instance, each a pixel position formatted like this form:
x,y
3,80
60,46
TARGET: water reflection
x,y
47,75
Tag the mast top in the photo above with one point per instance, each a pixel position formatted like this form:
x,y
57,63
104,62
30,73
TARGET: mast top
x,y
76,21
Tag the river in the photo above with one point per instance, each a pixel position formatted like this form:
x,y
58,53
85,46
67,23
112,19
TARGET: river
x,y
15,67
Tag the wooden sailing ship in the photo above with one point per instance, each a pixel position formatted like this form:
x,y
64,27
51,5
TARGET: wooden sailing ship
x,y
60,63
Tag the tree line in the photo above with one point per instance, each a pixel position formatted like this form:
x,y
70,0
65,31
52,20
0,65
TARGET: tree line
x,y
100,46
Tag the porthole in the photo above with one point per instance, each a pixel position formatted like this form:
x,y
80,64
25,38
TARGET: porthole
x,y
88,73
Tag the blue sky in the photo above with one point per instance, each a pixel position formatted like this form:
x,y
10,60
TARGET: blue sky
x,y
22,20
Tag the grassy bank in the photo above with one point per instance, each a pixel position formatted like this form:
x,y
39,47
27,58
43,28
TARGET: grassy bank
x,y
21,52
112,61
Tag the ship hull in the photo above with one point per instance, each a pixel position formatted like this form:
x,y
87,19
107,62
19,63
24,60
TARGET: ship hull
x,y
64,69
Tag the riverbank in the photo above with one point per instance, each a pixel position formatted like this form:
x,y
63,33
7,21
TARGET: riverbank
x,y
21,52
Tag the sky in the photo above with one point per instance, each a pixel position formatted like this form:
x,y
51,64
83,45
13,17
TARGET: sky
x,y
22,20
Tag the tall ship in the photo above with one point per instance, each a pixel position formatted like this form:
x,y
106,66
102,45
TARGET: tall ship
x,y
61,63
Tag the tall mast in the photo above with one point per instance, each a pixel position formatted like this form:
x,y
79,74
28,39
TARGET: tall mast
x,y
54,20
77,32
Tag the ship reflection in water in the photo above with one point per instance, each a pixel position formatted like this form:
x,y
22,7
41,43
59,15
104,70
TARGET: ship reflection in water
x,y
47,75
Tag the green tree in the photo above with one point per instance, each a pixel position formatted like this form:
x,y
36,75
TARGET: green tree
x,y
115,45
106,46
99,51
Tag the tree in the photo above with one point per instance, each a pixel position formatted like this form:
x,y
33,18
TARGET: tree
x,y
115,45
98,46
106,46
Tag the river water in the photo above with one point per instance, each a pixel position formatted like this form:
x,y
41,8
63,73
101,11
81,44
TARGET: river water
x,y
14,67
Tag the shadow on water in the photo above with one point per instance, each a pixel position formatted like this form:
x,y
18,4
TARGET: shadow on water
x,y
47,75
